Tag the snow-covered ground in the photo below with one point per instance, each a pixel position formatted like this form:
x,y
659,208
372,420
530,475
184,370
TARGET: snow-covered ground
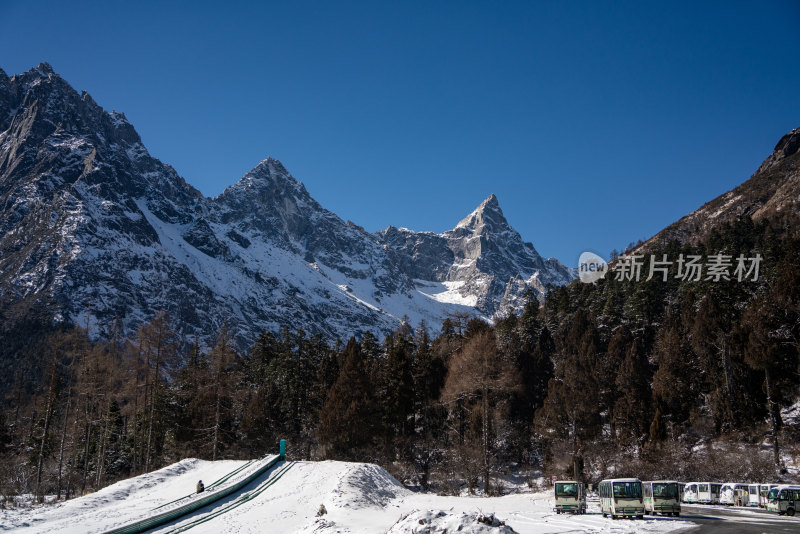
x,y
126,501
358,498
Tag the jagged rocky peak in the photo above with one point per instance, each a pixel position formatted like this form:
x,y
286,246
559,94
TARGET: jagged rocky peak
x,y
487,218
53,107
267,181
496,235
45,68
786,147
41,71
270,170
270,200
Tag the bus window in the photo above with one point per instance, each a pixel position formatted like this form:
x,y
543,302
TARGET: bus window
x,y
627,490
566,490
665,491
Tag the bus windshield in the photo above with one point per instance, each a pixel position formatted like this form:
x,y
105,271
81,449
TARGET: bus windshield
x,y
773,494
665,491
628,490
566,490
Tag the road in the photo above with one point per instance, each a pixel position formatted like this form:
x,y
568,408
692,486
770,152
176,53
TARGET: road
x,y
718,520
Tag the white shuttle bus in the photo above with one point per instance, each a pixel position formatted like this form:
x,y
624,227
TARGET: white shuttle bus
x,y
662,497
621,497
570,496
763,491
753,495
730,491
702,492
690,492
783,500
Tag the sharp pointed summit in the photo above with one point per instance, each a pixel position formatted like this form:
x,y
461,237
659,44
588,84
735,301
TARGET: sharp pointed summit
x,y
486,217
45,68
490,203
269,177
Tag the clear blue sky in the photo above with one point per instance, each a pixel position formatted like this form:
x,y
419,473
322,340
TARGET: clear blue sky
x,y
595,123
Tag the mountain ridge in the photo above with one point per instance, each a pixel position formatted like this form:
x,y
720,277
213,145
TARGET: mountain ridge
x,y
772,192
96,230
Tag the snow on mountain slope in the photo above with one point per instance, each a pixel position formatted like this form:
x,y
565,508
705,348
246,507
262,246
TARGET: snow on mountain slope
x,y
359,498
95,230
482,262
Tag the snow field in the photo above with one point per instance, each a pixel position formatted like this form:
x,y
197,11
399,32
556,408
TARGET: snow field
x,y
126,501
359,498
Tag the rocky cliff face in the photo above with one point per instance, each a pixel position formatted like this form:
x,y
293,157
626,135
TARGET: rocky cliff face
x,y
483,261
93,229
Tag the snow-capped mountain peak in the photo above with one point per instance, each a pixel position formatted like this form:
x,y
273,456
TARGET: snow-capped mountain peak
x,y
92,224
487,217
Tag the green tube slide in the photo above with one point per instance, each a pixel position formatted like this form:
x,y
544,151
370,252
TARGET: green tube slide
x,y
190,507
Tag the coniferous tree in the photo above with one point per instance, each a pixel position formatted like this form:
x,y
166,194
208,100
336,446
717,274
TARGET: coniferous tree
x,y
676,388
347,419
327,374
773,327
608,371
115,456
710,340
570,408
429,372
259,427
631,410
5,434
396,389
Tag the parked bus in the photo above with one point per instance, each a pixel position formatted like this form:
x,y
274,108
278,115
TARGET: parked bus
x,y
662,497
570,496
763,491
753,495
621,497
702,492
715,487
729,492
783,499
690,493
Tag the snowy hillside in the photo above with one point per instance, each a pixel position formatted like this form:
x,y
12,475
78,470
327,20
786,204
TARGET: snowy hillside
x,y
358,498
91,224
